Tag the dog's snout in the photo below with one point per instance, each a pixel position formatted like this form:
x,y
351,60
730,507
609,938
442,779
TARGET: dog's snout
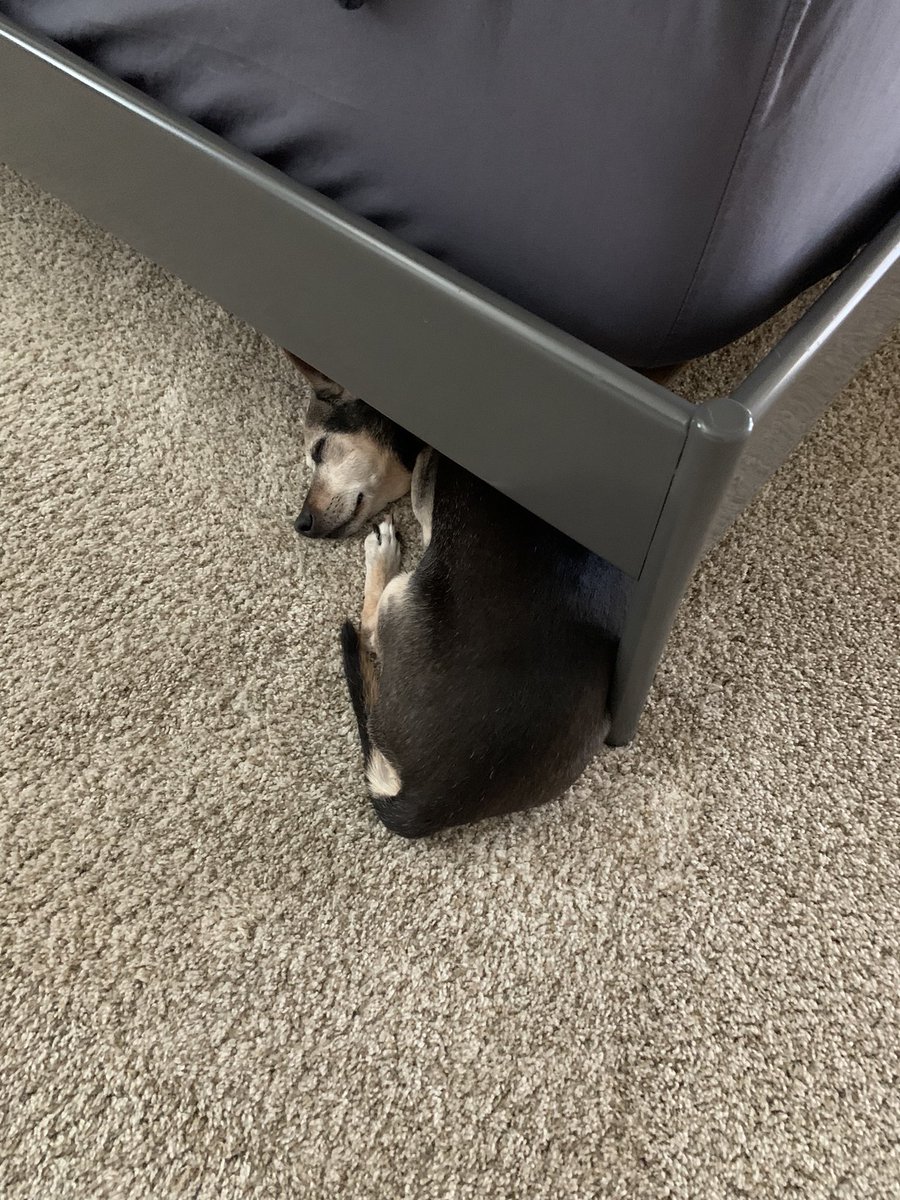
x,y
306,522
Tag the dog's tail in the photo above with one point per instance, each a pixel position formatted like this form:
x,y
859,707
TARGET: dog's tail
x,y
355,673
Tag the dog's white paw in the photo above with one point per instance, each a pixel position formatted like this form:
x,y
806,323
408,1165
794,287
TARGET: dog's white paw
x,y
383,549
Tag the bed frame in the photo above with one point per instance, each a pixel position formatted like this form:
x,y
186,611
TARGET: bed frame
x,y
628,468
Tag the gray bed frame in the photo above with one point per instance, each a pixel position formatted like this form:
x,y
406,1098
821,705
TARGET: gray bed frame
x,y
628,468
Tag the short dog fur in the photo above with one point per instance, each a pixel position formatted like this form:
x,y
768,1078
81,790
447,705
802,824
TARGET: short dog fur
x,y
479,680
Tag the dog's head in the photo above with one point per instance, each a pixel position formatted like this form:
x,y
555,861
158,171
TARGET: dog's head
x,y
360,461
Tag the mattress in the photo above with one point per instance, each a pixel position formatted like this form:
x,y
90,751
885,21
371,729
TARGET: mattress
x,y
655,179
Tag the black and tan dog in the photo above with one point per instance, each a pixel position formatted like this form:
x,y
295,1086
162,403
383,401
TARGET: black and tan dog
x,y
479,680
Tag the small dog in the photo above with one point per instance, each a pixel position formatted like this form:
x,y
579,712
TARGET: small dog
x,y
480,680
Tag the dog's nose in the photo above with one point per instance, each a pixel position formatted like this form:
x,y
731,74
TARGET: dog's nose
x,y
306,522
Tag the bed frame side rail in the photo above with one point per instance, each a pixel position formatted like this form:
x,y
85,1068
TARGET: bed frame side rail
x,y
574,436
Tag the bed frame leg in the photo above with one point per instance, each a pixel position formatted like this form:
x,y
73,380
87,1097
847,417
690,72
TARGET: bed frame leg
x,y
715,440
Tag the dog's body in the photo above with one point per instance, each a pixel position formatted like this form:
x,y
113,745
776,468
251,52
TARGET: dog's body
x,y
493,658
480,679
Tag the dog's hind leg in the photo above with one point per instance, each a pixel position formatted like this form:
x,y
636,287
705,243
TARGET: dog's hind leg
x,y
422,490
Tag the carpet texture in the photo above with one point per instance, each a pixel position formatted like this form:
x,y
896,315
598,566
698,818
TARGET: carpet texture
x,y
220,978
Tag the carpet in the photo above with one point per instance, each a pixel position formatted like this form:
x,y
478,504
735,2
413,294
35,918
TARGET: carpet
x,y
219,977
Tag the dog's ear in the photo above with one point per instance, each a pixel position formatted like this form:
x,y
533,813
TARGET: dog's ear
x,y
326,393
325,389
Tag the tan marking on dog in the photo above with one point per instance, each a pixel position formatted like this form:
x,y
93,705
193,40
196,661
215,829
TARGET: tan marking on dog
x,y
391,598
384,587
353,464
382,564
381,776
422,491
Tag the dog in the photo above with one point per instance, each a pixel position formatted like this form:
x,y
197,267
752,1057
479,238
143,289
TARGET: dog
x,y
480,680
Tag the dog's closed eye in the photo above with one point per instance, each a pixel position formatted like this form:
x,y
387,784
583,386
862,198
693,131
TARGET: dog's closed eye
x,y
316,453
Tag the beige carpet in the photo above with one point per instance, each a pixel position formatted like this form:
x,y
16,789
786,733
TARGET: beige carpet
x,y
219,978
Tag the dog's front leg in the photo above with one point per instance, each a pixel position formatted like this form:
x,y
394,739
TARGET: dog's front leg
x,y
382,566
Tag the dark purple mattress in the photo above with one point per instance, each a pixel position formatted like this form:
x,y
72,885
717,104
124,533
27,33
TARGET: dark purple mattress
x,y
653,178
